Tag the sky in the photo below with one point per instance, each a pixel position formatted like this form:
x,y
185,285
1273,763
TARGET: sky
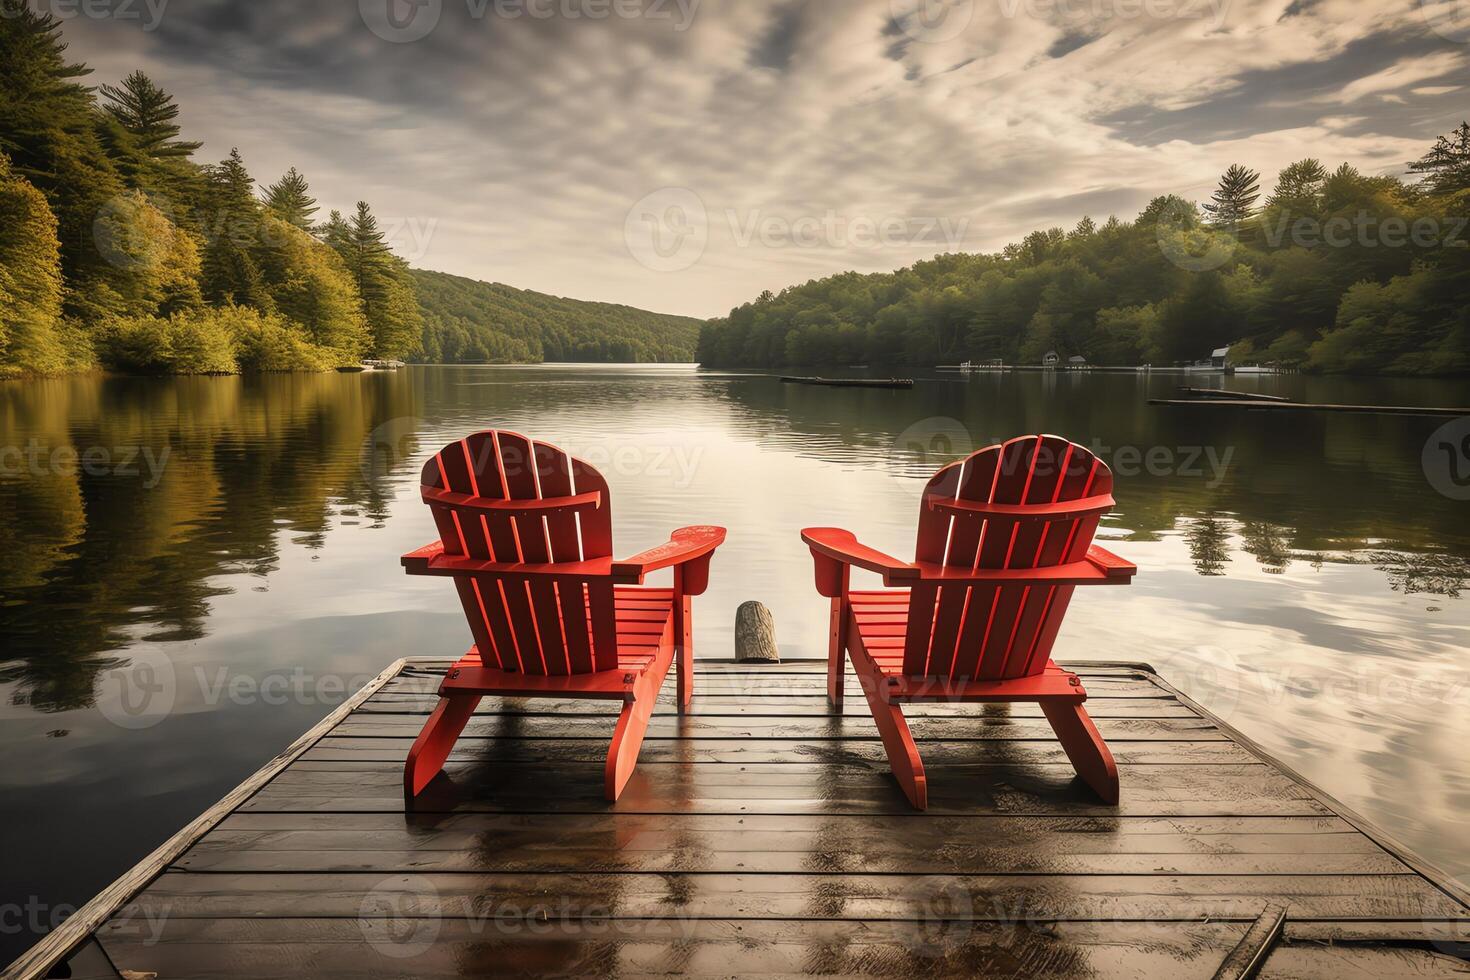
x,y
685,155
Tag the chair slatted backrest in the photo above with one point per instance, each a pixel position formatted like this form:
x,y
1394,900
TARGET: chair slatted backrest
x,y
969,520
543,626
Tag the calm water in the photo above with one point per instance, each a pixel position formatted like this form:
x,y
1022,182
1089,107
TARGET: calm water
x,y
235,542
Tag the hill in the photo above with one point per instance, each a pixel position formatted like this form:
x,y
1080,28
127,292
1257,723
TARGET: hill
x,y
1336,271
466,320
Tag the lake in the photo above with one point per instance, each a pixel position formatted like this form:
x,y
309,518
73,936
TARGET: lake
x,y
234,544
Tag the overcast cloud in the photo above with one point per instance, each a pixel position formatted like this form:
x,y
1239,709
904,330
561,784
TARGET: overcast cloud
x,y
683,155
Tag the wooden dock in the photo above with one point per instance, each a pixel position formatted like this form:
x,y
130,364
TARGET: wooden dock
x,y
764,835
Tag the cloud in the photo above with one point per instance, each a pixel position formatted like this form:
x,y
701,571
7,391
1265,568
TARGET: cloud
x,y
524,141
1404,75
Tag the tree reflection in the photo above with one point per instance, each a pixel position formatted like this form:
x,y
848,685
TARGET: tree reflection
x,y
189,481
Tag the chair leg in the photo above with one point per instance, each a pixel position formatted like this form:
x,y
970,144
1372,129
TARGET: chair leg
x,y
684,631
622,754
893,729
837,654
436,741
1085,747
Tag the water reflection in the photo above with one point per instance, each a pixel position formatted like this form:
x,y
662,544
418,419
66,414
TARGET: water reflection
x,y
133,503
246,528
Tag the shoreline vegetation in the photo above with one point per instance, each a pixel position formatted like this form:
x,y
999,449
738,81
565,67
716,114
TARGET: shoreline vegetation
x,y
119,252
1336,272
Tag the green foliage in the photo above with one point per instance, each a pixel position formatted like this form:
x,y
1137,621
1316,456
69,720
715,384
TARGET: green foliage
x,y
1339,272
383,282
274,344
470,321
309,284
185,343
155,264
1446,166
222,340
30,280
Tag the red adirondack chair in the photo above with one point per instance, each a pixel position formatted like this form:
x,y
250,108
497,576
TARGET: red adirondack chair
x,y
526,534
1004,538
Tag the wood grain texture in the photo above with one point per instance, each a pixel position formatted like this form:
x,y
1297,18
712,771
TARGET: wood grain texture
x,y
757,840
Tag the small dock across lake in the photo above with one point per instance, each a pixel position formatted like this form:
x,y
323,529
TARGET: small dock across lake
x,y
762,834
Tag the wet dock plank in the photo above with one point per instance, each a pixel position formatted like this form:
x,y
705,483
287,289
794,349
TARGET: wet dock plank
x,y
763,835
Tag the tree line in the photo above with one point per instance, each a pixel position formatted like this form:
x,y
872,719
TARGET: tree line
x,y
1335,271
119,250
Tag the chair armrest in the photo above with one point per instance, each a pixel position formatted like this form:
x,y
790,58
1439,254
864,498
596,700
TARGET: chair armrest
x,y
689,549
836,550
417,562
1113,567
431,560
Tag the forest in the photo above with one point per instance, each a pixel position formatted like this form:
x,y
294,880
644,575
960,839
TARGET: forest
x,y
120,251
466,321
1333,271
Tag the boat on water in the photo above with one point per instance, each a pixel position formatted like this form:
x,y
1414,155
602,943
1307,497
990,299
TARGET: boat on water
x,y
370,365
851,382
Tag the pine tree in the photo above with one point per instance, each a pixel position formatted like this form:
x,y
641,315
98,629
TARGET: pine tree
x,y
290,198
1299,186
1446,167
1234,201
49,129
148,112
388,298
233,230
